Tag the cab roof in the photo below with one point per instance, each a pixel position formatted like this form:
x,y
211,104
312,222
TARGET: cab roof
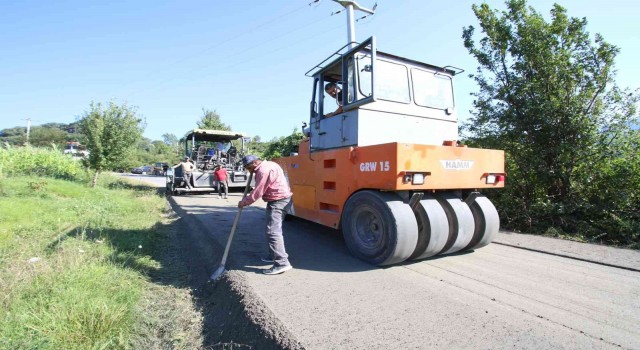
x,y
213,135
331,65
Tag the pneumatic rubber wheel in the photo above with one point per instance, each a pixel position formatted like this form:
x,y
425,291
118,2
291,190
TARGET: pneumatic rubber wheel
x,y
461,224
433,228
487,222
379,228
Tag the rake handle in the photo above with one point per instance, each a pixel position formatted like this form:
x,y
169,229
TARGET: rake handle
x,y
235,224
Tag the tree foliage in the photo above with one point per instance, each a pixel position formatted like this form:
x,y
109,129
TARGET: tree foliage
x,y
42,135
547,96
173,144
111,132
170,140
283,146
256,147
211,120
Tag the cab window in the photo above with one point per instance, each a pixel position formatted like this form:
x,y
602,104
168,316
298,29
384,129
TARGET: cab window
x,y
359,67
392,82
431,89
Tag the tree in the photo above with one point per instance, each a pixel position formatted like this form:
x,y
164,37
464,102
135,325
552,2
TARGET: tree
x,y
42,135
14,136
169,139
160,147
172,141
111,133
548,97
145,144
256,147
283,146
211,120
46,136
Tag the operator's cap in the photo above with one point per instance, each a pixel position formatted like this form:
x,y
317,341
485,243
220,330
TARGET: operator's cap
x,y
246,160
186,158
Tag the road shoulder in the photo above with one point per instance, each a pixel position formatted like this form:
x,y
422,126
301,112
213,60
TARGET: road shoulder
x,y
234,315
604,255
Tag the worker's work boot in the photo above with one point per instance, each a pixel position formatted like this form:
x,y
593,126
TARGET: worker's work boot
x,y
276,270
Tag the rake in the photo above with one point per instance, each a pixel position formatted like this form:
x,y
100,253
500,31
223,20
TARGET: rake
x,y
221,270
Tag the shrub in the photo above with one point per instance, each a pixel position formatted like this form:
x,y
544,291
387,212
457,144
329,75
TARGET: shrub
x,y
38,161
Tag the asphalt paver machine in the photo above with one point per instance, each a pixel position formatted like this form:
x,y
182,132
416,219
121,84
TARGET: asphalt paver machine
x,y
208,149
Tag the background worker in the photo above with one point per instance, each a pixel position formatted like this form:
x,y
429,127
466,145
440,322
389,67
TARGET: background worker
x,y
187,170
334,91
222,177
272,186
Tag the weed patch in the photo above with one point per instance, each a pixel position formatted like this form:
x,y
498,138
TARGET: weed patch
x,y
85,268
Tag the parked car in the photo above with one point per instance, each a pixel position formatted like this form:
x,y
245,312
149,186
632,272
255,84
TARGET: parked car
x,y
160,168
137,170
145,169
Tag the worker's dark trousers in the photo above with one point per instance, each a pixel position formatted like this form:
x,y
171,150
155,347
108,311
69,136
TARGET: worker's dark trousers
x,y
276,211
224,184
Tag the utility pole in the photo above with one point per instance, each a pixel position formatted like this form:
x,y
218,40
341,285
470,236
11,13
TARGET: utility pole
x,y
28,129
351,5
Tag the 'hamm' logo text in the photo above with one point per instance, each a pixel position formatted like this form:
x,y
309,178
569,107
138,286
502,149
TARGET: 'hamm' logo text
x,y
457,164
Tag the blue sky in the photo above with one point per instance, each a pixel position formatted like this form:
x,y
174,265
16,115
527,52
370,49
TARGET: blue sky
x,y
246,60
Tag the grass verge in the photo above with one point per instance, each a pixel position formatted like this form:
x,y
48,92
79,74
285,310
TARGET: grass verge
x,y
85,268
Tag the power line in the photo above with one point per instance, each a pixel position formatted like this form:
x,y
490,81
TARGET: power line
x,y
252,47
218,44
158,86
237,63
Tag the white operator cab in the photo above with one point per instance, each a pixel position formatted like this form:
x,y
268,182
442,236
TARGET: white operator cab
x,y
385,98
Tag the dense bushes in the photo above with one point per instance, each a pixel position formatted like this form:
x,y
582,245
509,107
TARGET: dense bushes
x,y
548,97
604,208
40,162
284,146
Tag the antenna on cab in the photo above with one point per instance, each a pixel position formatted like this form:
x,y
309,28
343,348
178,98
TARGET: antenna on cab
x,y
351,5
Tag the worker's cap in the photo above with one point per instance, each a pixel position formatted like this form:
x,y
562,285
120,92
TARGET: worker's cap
x,y
246,160
186,158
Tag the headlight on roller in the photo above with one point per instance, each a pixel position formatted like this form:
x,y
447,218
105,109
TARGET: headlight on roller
x,y
494,178
418,179
415,177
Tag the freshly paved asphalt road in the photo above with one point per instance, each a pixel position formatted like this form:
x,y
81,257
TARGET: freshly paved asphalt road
x,y
546,296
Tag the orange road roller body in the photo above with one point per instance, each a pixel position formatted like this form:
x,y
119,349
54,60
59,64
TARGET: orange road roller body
x,y
323,181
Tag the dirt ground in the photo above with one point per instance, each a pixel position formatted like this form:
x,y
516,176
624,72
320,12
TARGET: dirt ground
x,y
204,314
233,318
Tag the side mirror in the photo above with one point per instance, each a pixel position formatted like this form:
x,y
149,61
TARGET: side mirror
x,y
306,131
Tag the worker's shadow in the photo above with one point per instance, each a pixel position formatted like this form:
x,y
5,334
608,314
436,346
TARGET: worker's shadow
x,y
310,246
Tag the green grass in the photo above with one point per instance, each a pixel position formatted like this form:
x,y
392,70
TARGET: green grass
x,y
41,161
76,267
84,307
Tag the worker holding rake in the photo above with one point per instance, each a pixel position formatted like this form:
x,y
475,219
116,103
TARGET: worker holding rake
x,y
272,186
